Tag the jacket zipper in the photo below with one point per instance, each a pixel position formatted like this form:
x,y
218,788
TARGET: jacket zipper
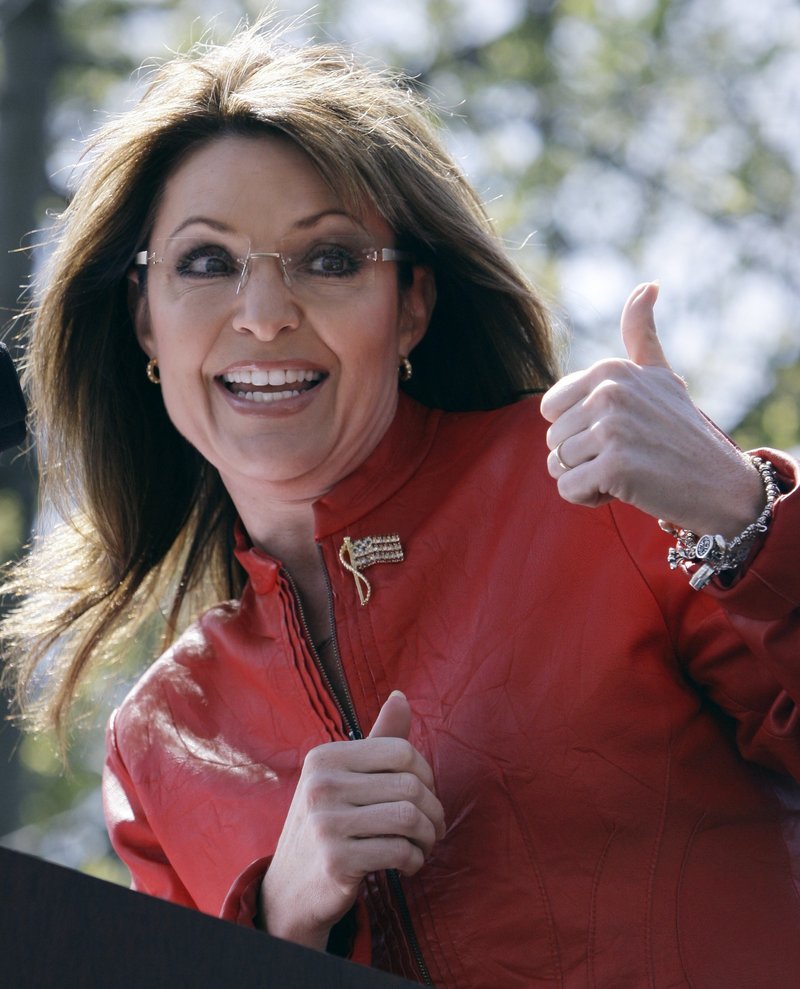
x,y
408,925
349,719
355,731
350,722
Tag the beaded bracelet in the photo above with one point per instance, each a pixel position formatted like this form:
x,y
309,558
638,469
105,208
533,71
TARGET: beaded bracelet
x,y
715,553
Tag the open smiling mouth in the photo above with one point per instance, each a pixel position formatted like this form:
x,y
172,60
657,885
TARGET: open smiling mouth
x,y
275,385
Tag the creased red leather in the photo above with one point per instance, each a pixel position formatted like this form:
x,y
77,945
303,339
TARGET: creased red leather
x,y
614,751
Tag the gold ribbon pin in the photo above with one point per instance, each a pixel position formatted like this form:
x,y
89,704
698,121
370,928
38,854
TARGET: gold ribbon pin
x,y
356,555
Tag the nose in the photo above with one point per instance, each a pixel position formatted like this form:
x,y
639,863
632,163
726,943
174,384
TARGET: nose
x,y
265,305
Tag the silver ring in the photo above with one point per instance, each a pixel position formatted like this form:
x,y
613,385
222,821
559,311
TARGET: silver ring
x,y
557,452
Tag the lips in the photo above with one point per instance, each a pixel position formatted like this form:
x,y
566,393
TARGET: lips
x,y
270,385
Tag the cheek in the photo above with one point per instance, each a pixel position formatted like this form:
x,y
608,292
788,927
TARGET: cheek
x,y
369,338
181,410
180,344
184,387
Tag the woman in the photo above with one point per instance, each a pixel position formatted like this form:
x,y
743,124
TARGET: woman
x,y
447,720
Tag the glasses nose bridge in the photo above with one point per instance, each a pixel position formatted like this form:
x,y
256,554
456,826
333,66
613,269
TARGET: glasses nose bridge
x,y
259,256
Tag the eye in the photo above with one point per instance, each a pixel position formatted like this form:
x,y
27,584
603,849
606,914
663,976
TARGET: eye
x,y
207,261
331,261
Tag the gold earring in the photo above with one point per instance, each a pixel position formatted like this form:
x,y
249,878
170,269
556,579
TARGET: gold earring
x,y
153,374
405,369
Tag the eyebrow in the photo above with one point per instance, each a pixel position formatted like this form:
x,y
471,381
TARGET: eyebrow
x,y
206,221
310,221
304,223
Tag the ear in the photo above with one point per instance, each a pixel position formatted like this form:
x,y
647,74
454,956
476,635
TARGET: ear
x,y
416,306
137,306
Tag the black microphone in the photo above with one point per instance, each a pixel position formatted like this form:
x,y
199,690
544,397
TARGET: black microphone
x,y
12,403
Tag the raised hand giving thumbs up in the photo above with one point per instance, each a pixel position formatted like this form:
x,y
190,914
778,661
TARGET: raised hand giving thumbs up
x,y
628,429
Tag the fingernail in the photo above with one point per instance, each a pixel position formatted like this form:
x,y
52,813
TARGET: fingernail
x,y
646,287
398,693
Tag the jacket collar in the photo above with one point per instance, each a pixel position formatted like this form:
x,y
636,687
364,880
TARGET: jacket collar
x,y
398,455
404,446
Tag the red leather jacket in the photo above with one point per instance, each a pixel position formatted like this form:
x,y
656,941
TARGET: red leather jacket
x,y
611,747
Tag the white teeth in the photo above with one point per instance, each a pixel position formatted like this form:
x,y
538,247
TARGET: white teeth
x,y
268,396
274,376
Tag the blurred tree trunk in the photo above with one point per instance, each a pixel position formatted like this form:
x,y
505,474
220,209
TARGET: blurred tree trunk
x,y
30,54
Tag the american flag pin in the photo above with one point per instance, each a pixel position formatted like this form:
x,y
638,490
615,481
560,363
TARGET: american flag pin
x,y
356,555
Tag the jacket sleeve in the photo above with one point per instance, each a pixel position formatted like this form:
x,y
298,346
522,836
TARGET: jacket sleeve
x,y
131,835
768,589
151,872
135,842
762,606
740,644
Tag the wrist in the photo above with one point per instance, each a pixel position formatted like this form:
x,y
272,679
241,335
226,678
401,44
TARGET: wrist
x,y
710,553
737,498
276,917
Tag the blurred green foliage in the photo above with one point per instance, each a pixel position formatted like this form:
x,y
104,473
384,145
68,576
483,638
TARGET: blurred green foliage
x,y
13,523
775,420
38,754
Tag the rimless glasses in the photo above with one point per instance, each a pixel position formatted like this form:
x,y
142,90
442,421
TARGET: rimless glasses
x,y
211,270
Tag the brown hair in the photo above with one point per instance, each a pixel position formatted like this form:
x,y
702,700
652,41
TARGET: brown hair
x,y
137,503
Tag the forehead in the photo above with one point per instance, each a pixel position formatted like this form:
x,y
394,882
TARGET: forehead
x,y
262,186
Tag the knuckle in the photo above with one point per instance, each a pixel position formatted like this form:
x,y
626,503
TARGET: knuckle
x,y
320,787
569,490
328,830
312,761
603,370
408,755
607,432
618,444
620,368
321,756
409,786
605,396
401,753
331,858
406,815
409,858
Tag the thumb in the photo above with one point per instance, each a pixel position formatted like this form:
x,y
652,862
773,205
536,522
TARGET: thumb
x,y
394,718
638,327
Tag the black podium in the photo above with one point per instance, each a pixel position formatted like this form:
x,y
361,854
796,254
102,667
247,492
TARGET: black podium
x,y
59,928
